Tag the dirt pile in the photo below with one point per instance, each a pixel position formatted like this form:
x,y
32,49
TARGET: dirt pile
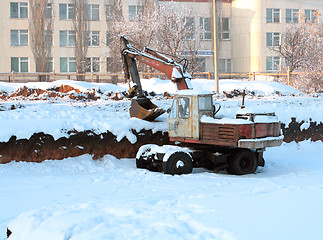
x,y
41,146
294,131
63,91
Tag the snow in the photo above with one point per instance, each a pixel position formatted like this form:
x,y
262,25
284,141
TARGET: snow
x,y
259,87
168,150
79,198
193,92
59,116
265,119
305,126
207,119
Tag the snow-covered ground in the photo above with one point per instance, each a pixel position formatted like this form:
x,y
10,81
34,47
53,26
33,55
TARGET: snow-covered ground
x,y
79,198
58,116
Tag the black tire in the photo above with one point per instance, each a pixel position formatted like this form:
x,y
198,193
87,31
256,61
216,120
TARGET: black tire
x,y
140,163
178,163
243,161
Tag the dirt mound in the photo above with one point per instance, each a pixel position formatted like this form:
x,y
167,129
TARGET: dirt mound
x,y
63,91
26,92
294,132
41,146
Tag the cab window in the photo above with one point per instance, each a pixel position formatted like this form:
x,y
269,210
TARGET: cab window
x,y
173,109
205,103
183,107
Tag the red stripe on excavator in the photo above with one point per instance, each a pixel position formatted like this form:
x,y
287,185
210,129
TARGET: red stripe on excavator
x,y
188,140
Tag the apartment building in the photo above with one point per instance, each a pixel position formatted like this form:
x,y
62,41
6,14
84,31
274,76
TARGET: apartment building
x,y
247,30
256,26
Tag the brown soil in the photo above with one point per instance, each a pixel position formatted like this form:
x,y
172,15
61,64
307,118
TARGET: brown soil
x,y
40,146
293,131
56,92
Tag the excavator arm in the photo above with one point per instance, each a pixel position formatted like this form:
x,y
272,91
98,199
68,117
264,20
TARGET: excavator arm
x,y
142,107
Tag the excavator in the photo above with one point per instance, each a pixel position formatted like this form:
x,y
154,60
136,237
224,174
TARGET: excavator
x,y
141,106
199,138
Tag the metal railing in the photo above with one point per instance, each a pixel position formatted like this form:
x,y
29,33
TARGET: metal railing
x,y
119,77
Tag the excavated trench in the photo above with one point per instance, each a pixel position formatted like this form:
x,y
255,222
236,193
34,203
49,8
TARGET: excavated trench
x,y
41,146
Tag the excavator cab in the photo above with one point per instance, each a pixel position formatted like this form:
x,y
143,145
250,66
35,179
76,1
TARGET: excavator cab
x,y
141,106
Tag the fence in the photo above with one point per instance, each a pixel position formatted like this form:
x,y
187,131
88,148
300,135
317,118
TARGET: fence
x,y
119,77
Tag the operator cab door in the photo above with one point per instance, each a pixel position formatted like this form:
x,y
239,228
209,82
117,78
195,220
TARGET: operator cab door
x,y
179,119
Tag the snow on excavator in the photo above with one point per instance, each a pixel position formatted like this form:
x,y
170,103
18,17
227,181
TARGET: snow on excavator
x,y
141,106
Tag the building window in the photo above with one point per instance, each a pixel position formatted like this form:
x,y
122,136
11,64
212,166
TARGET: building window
x,y
310,15
272,63
19,37
135,12
49,65
66,11
49,10
94,38
205,25
48,35
112,10
92,64
67,38
200,64
109,12
273,15
67,64
108,64
109,38
225,29
292,15
225,65
94,12
189,28
18,10
273,39
19,64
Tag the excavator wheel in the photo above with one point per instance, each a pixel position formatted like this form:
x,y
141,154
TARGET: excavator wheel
x,y
144,109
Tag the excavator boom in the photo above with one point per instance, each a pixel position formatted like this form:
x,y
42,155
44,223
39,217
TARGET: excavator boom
x,y
142,107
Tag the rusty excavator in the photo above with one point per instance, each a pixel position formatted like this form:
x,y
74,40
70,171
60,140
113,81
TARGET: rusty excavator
x,y
198,137
141,106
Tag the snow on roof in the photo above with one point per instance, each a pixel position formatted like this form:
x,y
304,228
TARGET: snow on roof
x,y
193,92
207,119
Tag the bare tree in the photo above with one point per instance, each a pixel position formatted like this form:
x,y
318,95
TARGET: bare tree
x,y
41,29
301,50
115,23
313,63
140,27
293,47
81,29
168,28
179,34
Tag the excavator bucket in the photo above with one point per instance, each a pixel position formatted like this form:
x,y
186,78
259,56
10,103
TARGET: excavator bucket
x,y
144,109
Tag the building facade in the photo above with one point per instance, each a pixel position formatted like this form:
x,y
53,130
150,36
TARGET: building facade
x,y
247,31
